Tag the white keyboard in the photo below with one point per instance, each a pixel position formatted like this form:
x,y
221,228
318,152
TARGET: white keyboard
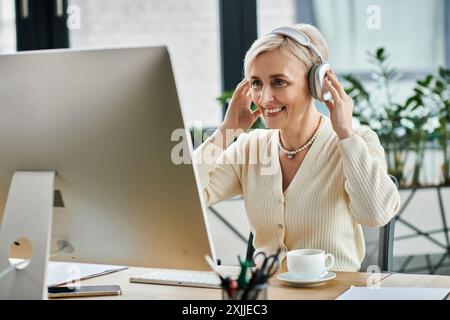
x,y
179,278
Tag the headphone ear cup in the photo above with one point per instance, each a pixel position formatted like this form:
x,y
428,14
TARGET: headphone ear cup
x,y
316,78
312,76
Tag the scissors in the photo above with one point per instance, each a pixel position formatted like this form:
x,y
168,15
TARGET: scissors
x,y
269,265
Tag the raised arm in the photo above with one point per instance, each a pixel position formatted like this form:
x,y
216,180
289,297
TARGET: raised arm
x,y
374,198
216,159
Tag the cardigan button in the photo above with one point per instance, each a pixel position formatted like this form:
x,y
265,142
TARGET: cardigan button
x,y
280,226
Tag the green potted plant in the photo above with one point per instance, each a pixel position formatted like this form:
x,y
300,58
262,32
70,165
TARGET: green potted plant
x,y
383,115
407,127
434,91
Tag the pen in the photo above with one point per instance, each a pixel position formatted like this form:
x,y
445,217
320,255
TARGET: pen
x,y
242,279
232,289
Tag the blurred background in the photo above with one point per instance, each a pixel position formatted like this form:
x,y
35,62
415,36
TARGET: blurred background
x,y
392,56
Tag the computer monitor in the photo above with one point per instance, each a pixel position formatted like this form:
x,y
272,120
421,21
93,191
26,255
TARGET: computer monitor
x,y
103,120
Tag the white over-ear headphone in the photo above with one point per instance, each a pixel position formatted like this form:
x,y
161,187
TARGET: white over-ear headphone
x,y
316,75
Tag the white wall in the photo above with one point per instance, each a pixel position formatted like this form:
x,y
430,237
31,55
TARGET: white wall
x,y
189,28
7,26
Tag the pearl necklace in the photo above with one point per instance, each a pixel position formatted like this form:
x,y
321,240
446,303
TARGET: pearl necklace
x,y
291,154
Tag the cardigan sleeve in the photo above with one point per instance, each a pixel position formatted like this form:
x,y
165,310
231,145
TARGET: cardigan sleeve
x,y
374,198
219,171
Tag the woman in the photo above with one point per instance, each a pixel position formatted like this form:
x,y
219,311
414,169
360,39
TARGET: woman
x,y
328,178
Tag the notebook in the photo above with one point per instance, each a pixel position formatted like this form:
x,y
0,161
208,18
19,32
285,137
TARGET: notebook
x,y
390,293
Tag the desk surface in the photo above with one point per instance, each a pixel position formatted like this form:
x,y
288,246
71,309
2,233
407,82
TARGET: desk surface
x,y
277,289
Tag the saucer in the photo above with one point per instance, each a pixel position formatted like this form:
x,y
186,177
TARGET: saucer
x,y
289,278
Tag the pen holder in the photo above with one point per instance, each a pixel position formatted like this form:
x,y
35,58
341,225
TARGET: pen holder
x,y
256,293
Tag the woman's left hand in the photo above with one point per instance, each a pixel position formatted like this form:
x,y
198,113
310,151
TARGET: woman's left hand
x,y
340,107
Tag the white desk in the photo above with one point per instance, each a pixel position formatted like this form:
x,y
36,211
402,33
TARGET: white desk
x,y
276,291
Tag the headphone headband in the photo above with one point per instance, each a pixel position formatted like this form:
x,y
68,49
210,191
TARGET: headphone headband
x,y
300,37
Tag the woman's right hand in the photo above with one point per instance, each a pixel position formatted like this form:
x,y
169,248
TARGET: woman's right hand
x,y
239,115
238,118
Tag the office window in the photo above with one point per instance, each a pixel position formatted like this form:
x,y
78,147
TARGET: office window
x,y
190,29
275,13
412,31
7,26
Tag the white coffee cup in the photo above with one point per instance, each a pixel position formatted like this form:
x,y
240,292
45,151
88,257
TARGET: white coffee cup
x,y
308,263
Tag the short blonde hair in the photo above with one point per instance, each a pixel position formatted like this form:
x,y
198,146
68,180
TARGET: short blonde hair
x,y
276,41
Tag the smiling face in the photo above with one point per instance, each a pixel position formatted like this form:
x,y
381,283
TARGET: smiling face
x,y
279,87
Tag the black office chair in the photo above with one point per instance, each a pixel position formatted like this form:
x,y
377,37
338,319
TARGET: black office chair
x,y
385,243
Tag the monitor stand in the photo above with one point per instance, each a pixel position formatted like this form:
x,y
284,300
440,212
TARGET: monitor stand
x,y
28,217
